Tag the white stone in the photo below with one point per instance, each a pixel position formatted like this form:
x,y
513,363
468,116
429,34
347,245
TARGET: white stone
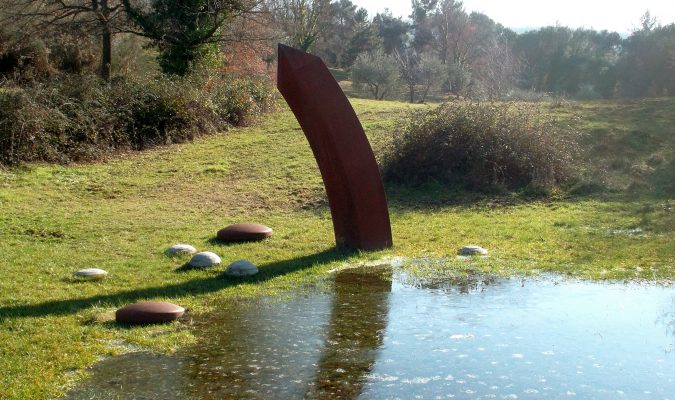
x,y
91,273
241,268
180,249
472,250
204,259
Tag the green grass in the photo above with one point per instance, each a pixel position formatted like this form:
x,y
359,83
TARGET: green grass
x,y
339,74
120,216
631,145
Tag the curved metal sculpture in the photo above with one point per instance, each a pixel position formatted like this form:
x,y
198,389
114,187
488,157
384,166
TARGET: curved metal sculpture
x,y
353,184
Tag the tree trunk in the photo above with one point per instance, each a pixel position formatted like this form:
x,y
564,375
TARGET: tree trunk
x,y
426,93
106,54
106,38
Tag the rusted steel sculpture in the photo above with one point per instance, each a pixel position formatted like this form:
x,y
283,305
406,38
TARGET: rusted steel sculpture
x,y
353,184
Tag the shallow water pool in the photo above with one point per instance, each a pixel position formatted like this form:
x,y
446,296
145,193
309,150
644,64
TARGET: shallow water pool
x,y
385,335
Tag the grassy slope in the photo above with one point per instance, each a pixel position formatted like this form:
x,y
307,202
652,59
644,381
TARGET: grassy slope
x,y
632,143
122,214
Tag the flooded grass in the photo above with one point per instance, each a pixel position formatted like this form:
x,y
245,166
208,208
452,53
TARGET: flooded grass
x,y
122,214
383,334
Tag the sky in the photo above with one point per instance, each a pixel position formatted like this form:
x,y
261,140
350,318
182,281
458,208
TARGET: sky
x,y
614,15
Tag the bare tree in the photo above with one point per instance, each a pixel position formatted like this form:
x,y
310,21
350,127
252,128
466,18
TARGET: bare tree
x,y
408,66
497,68
301,22
451,30
248,44
103,18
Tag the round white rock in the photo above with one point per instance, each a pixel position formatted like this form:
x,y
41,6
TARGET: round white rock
x,y
204,259
241,268
180,249
91,273
472,250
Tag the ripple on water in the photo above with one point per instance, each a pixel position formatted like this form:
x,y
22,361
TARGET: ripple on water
x,y
379,337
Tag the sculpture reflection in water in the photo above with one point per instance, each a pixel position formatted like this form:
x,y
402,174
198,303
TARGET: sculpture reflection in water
x,y
317,347
357,325
471,338
321,347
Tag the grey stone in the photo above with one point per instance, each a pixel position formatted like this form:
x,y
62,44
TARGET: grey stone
x,y
472,250
177,249
241,268
204,259
90,273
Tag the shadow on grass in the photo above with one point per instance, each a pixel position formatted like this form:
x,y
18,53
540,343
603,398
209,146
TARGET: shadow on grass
x,y
192,287
426,197
432,197
187,268
222,243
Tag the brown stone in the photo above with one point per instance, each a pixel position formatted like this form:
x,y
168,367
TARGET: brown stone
x,y
149,312
244,233
350,174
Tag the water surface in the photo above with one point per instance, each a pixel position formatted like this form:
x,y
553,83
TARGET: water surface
x,y
378,337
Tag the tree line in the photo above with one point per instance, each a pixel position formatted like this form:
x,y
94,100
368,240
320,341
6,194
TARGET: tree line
x,y
183,32
443,47
439,48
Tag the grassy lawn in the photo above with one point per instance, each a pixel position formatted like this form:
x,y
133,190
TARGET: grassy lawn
x,y
121,215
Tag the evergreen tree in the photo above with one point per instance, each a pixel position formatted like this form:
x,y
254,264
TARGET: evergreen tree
x,y
183,30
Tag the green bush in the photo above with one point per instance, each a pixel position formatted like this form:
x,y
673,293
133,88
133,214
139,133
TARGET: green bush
x,y
375,73
482,147
77,118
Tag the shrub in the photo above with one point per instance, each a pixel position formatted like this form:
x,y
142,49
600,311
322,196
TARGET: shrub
x,y
459,78
481,147
588,92
74,52
376,72
22,60
431,74
76,118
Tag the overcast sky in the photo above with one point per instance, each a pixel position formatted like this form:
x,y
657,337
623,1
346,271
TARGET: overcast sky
x,y
613,15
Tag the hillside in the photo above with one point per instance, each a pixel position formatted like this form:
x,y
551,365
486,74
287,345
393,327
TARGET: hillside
x,y
121,214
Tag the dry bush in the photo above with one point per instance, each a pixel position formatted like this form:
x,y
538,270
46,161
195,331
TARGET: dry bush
x,y
75,118
482,147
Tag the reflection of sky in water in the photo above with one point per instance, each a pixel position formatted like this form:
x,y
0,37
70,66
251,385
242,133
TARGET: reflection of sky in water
x,y
538,340
506,339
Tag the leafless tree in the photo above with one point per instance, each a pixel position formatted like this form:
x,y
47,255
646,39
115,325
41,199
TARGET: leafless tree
x,y
497,68
408,66
300,21
452,32
103,18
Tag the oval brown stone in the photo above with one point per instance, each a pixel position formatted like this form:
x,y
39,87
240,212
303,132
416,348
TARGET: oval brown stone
x,y
244,233
148,312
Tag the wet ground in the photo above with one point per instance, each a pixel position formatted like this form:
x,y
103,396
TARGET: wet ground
x,y
384,335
